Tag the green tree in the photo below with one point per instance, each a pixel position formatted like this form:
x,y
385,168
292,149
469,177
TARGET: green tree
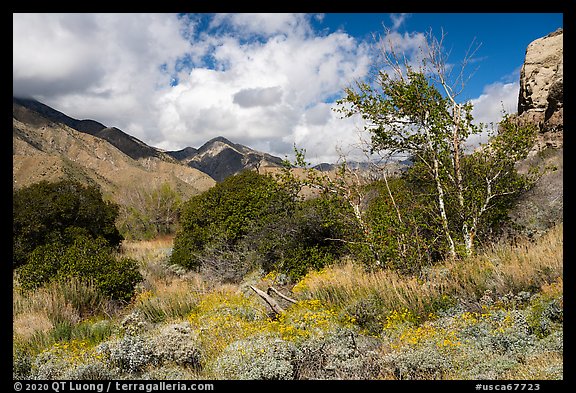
x,y
403,224
318,232
414,111
226,213
46,212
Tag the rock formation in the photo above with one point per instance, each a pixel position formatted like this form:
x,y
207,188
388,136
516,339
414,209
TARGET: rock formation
x,y
541,102
541,88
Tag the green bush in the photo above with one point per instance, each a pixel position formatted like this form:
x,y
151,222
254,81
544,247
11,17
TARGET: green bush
x,y
86,258
314,236
226,213
251,221
47,212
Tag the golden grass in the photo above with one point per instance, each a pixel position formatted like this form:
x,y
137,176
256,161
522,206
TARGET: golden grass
x,y
543,366
145,250
164,294
170,300
26,325
47,314
506,268
60,301
526,266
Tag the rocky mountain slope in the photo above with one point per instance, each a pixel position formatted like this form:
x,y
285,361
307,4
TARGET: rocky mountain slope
x,y
129,145
218,158
48,145
221,158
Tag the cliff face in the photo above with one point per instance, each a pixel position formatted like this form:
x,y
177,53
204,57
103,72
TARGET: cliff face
x,y
541,102
541,88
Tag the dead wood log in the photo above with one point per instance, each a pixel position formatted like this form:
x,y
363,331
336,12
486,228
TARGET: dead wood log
x,y
272,289
268,299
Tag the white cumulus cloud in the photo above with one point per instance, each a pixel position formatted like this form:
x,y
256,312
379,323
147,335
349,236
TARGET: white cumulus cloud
x,y
258,79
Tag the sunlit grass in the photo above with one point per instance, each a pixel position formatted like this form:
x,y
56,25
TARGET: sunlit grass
x,y
506,268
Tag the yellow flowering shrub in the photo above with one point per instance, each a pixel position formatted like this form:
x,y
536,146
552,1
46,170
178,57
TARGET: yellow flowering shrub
x,y
224,316
74,351
308,318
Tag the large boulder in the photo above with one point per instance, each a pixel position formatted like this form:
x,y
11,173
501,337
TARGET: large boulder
x,y
541,103
541,88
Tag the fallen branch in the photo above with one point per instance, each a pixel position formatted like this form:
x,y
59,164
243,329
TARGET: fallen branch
x,y
271,302
272,289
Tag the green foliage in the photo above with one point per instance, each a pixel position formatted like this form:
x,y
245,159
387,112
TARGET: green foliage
x,y
86,258
226,213
315,235
46,212
251,220
407,114
405,230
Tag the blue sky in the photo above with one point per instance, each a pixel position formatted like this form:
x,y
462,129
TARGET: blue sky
x,y
503,37
268,81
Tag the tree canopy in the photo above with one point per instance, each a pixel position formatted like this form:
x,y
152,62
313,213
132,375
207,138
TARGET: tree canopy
x,y
45,212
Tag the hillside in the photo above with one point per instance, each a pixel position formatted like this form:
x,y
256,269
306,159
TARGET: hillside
x,y
46,148
497,316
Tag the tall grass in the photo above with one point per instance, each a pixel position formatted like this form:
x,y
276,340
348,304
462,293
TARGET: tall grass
x,y
166,293
55,312
169,301
526,266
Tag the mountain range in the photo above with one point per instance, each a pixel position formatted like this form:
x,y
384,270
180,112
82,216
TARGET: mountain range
x,y
49,145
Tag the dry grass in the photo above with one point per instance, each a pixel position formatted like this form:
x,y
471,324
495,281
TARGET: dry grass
x,y
506,268
526,266
54,312
166,293
26,325
173,300
146,250
61,301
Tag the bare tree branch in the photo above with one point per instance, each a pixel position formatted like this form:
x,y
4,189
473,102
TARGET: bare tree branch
x,y
288,299
269,300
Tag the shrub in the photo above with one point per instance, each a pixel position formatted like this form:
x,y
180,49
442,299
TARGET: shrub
x,y
90,259
21,363
129,354
46,212
257,357
70,360
315,235
309,318
339,354
226,213
420,362
224,316
546,311
169,373
177,344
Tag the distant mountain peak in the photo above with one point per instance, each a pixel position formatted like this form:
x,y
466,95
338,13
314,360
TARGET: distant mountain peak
x,y
220,158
